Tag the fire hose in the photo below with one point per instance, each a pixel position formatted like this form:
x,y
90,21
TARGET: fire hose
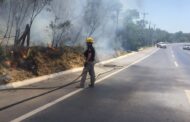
x,y
55,88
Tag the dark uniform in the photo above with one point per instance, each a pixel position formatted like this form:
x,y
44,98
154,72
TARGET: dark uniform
x,y
89,66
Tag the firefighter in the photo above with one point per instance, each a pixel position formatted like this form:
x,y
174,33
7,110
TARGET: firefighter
x,y
89,55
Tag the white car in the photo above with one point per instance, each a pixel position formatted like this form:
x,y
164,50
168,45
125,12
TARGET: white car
x,y
161,45
186,47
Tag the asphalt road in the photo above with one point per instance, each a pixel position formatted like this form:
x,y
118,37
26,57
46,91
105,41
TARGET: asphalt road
x,y
156,89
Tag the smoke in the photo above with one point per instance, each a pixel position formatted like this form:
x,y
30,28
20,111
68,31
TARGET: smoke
x,y
133,4
40,31
109,16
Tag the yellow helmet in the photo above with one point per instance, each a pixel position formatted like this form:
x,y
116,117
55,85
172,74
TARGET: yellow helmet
x,y
89,40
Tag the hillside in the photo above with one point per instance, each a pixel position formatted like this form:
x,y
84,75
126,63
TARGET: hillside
x,y
38,61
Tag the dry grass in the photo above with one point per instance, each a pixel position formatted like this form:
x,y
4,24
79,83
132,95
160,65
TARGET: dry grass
x,y
48,61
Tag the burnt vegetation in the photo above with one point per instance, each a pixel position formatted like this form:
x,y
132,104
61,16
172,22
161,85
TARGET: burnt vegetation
x,y
23,55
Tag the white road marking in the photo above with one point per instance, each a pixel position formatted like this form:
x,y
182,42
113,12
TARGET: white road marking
x,y
176,64
172,53
173,56
187,92
42,108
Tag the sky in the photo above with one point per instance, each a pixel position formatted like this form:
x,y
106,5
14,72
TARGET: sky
x,y
170,15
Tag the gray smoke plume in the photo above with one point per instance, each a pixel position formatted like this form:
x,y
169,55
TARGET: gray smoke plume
x,y
105,21
100,19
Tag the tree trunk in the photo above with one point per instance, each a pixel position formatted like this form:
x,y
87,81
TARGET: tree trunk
x,y
26,35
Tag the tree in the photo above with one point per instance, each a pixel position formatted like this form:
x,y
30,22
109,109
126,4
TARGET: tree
x,y
135,33
36,7
114,9
61,24
94,14
131,15
18,14
59,32
131,32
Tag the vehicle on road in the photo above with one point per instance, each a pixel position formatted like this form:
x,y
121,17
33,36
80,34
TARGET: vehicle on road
x,y
186,47
161,45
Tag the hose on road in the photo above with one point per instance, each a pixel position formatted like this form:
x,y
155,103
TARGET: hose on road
x,y
55,88
115,67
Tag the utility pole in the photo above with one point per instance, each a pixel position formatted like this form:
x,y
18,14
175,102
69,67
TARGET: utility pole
x,y
150,34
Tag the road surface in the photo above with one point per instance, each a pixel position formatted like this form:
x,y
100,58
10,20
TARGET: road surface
x,y
156,89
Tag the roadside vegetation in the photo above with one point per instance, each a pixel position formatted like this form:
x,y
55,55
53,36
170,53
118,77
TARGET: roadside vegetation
x,y
28,49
